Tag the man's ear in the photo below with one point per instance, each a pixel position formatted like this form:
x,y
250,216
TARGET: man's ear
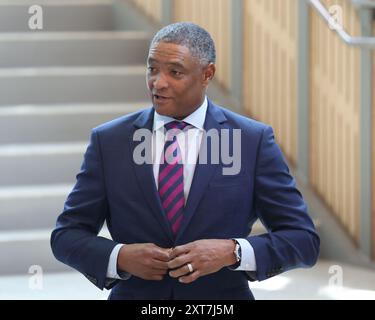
x,y
208,73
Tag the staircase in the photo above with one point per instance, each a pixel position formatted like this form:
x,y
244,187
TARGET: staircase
x,y
84,68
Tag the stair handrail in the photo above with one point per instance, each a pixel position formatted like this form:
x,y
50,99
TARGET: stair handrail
x,y
362,42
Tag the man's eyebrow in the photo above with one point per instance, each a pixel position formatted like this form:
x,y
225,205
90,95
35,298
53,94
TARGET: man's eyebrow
x,y
172,63
176,64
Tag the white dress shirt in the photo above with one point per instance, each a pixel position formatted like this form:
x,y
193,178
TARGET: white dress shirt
x,y
189,142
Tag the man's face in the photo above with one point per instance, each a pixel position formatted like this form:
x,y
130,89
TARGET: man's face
x,y
176,80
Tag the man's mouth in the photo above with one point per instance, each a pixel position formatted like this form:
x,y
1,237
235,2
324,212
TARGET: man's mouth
x,y
159,97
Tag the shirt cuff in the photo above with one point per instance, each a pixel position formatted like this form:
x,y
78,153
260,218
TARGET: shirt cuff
x,y
112,265
248,262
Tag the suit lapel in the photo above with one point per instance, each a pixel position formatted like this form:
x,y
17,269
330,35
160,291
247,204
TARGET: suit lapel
x,y
145,175
203,172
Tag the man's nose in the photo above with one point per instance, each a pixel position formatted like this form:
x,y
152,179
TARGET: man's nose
x,y
160,82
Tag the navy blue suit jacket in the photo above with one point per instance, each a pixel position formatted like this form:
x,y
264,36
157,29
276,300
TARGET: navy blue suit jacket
x,y
111,187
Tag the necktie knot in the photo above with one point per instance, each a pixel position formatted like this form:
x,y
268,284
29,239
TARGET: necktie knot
x,y
180,125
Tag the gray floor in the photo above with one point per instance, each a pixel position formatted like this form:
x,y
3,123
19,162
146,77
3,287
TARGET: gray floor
x,y
327,280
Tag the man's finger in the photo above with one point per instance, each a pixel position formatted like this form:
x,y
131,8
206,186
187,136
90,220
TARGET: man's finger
x,y
180,271
159,265
179,261
190,278
161,254
177,251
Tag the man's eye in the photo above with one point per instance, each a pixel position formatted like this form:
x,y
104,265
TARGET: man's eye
x,y
151,69
176,73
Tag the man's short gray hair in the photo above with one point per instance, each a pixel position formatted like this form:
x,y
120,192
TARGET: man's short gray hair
x,y
190,35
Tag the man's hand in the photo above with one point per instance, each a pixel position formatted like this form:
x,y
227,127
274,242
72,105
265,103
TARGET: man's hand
x,y
144,260
205,256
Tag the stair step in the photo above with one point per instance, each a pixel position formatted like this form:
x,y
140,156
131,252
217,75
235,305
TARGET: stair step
x,y
40,164
72,85
58,15
31,207
25,248
58,123
73,49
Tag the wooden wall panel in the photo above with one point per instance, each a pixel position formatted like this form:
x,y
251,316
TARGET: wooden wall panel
x,y
269,77
334,117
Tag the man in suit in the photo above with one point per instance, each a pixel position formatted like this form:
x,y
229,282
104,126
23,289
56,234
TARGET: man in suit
x,y
180,226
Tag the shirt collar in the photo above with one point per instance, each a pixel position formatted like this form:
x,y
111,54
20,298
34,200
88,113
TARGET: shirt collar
x,y
196,119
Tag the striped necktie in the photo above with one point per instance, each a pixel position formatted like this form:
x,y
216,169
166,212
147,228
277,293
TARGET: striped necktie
x,y
171,177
